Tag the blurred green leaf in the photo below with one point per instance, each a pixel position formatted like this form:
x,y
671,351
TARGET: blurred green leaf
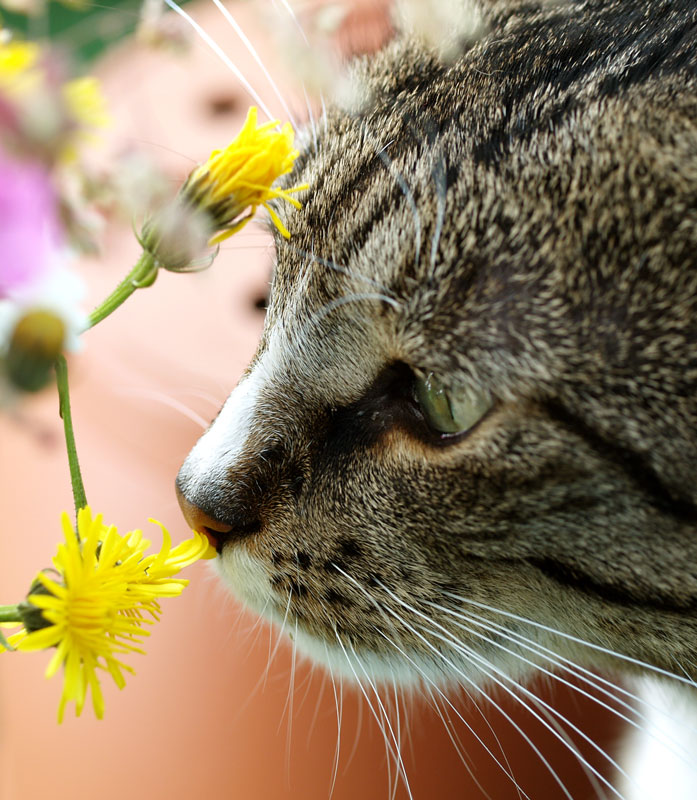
x,y
82,32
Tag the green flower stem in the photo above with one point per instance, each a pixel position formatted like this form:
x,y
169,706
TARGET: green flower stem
x,y
143,274
64,408
9,614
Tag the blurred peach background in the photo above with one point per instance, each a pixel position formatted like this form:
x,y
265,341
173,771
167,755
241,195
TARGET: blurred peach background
x,y
205,715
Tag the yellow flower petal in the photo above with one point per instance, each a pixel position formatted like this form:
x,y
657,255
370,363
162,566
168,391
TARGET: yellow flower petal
x,y
239,177
98,608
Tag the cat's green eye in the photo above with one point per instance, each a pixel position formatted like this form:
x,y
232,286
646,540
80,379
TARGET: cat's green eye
x,y
449,412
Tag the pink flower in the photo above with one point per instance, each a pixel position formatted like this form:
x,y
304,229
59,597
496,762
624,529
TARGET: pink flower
x,y
30,234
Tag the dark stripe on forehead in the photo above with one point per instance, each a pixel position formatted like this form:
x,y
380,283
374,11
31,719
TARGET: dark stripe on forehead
x,y
549,67
647,482
662,57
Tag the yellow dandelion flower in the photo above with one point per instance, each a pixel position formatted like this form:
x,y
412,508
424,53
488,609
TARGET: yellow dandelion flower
x,y
216,200
105,591
240,177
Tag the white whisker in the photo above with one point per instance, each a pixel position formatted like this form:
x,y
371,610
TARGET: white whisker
x,y
455,739
565,664
429,681
318,703
215,47
279,639
440,178
165,400
324,114
252,51
378,718
339,714
290,699
409,197
360,707
388,746
441,656
491,671
568,742
578,640
295,19
397,741
311,117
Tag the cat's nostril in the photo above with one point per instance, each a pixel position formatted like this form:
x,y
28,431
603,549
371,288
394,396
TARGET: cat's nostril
x,y
218,532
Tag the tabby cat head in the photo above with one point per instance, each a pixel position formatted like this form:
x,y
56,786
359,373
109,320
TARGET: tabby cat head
x,y
476,383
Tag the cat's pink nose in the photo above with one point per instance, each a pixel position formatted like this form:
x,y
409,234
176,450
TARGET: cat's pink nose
x,y
216,531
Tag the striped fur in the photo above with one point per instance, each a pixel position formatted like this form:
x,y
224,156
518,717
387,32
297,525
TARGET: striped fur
x,y
521,221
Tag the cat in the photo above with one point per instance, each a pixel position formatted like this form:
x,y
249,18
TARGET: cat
x,y
467,443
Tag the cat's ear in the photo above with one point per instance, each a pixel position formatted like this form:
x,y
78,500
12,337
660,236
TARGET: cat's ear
x,y
448,27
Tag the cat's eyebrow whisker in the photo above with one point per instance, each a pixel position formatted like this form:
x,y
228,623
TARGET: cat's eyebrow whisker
x,y
332,305
217,49
570,637
440,177
253,52
311,117
336,267
409,197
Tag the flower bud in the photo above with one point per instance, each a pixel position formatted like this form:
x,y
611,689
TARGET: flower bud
x,y
32,617
36,342
177,236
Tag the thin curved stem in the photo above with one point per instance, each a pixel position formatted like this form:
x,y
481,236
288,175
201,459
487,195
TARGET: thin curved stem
x,y
143,274
64,409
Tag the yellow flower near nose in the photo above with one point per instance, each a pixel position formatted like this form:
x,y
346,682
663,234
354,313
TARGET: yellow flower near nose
x,y
96,606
